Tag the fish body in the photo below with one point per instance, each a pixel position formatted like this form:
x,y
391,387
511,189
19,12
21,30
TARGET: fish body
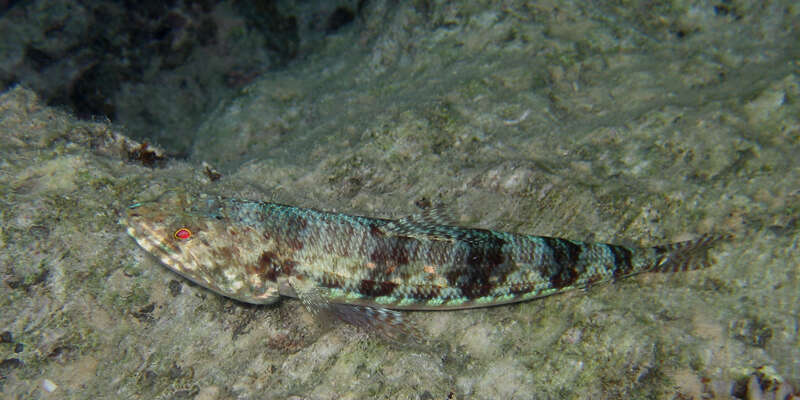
x,y
256,252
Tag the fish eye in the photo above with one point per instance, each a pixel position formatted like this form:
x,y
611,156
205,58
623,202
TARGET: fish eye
x,y
182,234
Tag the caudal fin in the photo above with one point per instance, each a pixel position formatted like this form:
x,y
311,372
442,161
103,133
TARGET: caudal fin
x,y
686,256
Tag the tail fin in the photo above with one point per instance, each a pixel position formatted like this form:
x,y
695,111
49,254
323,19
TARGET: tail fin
x,y
686,256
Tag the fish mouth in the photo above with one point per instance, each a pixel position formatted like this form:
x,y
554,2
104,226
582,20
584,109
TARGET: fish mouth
x,y
131,219
128,220
145,236
148,235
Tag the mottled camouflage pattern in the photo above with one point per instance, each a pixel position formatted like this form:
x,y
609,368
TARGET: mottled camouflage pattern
x,y
256,252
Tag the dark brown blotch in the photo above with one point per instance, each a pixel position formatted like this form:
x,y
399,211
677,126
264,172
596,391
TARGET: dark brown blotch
x,y
376,288
375,232
266,259
475,290
485,267
266,266
486,256
565,252
622,260
565,269
288,266
565,276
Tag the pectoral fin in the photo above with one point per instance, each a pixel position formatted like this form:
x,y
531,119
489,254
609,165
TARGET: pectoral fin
x,y
387,323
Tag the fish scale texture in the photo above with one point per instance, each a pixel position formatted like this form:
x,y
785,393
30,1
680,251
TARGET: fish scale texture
x,y
257,251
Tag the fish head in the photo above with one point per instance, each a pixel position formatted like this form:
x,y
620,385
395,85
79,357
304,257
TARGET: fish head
x,y
192,235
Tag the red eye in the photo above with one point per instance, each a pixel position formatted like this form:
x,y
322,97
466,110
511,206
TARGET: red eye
x,y
182,234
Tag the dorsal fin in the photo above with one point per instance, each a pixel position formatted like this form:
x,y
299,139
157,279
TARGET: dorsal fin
x,y
427,222
434,223
432,216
